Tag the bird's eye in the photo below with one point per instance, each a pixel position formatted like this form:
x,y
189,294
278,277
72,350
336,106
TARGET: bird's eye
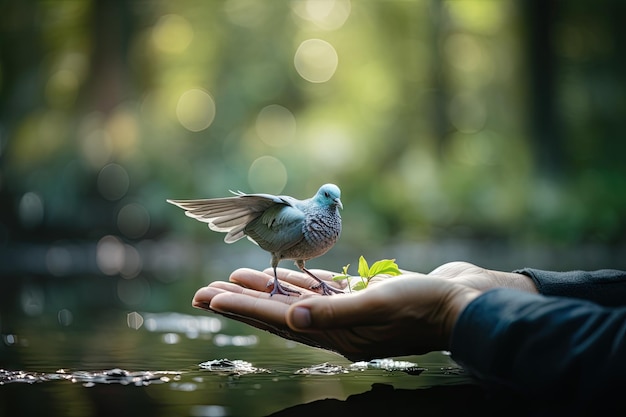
x,y
326,195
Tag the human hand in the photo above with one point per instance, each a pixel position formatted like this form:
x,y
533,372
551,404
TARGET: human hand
x,y
483,279
410,314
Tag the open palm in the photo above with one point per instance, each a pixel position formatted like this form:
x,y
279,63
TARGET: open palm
x,y
409,314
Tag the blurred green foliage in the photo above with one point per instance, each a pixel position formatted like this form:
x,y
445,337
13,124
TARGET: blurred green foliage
x,y
436,118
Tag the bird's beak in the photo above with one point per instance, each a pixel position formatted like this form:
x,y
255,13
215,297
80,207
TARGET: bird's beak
x,y
338,202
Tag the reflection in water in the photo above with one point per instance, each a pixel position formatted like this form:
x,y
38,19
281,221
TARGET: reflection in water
x,y
189,325
98,361
225,340
384,399
380,398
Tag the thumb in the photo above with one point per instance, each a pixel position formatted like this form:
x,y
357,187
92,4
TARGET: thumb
x,y
319,313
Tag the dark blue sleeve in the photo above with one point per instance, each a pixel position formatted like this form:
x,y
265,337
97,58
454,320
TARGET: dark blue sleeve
x,y
544,348
605,286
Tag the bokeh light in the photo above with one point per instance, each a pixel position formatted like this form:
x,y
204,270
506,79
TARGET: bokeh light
x,y
316,60
96,147
62,88
267,174
133,220
226,340
332,146
31,210
134,320
134,291
65,317
32,299
326,14
133,263
275,125
464,52
110,255
172,33
123,129
191,326
114,257
195,110
473,149
484,17
170,338
113,182
467,112
246,13
59,260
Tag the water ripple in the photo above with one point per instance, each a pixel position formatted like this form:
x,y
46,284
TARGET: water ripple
x,y
89,379
222,367
234,367
389,365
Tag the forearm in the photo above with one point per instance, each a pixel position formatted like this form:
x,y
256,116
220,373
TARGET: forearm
x,y
606,287
542,347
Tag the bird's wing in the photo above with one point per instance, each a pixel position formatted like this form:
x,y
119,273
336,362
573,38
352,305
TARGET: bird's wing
x,y
277,229
229,215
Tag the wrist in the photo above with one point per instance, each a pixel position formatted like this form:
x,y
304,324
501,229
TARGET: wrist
x,y
515,280
459,298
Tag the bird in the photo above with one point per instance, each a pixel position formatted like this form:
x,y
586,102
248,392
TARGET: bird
x,y
282,225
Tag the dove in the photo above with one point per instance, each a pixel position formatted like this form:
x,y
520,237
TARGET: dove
x,y
284,226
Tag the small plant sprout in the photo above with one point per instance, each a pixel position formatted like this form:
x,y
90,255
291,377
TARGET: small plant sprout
x,y
366,272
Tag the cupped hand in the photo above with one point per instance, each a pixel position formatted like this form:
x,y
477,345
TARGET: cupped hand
x,y
410,314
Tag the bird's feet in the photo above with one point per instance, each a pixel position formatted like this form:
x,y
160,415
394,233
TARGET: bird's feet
x,y
279,289
326,289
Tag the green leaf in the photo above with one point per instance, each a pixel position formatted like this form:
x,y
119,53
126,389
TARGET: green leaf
x,y
341,277
384,266
364,269
359,286
366,273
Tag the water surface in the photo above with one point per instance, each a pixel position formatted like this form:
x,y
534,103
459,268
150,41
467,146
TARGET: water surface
x,y
72,346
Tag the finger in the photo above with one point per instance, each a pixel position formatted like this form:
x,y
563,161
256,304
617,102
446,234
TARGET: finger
x,y
289,274
254,308
202,298
265,310
303,280
250,278
262,281
279,330
238,289
347,310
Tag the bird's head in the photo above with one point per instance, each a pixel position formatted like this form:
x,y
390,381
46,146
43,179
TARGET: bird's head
x,y
330,195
